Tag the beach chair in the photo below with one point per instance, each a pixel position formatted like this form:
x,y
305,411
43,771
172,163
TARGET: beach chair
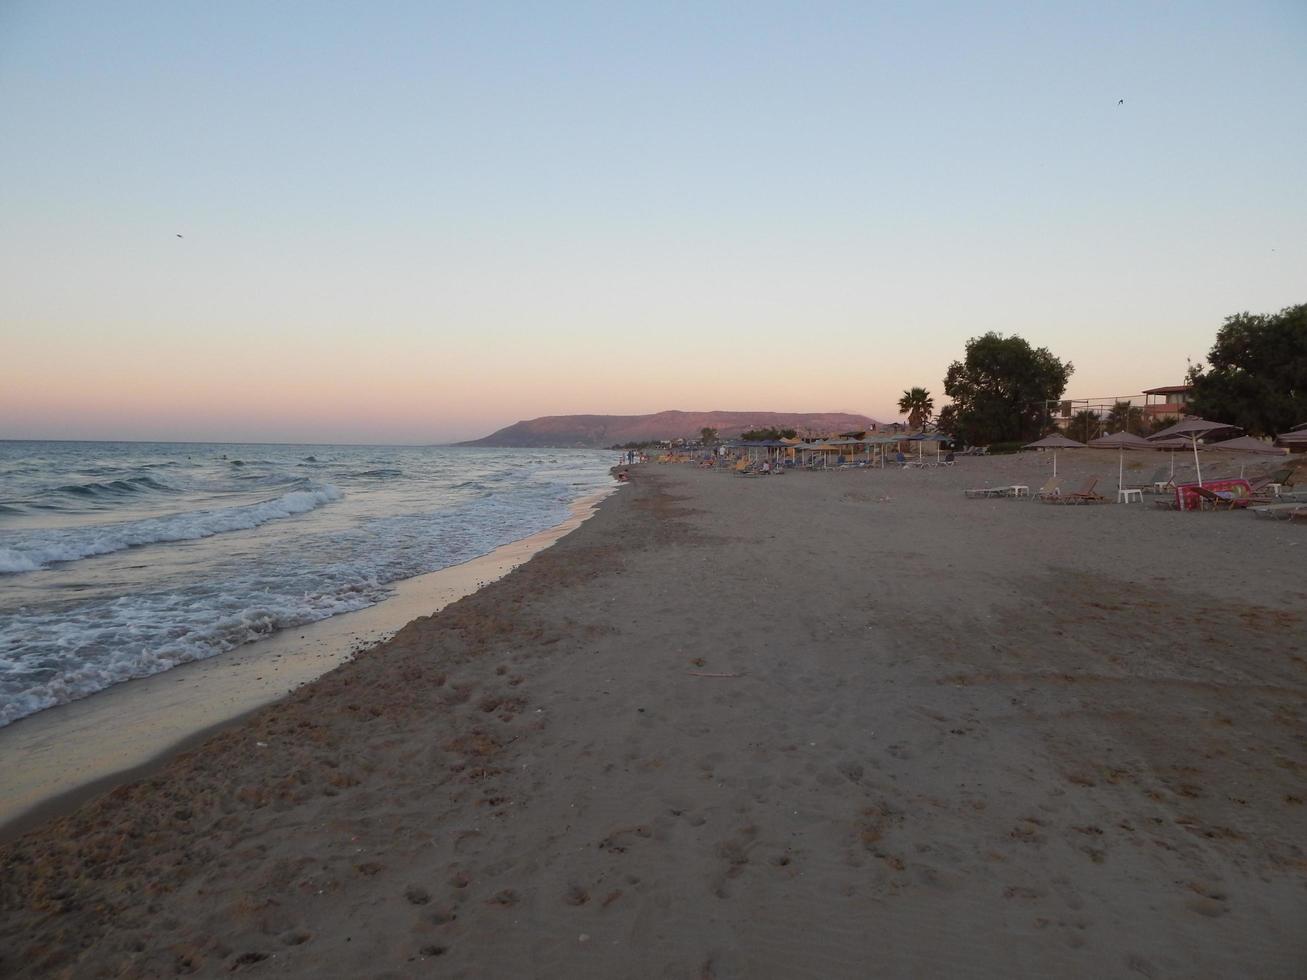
x,y
1280,512
1052,488
1261,486
979,492
1085,495
1220,499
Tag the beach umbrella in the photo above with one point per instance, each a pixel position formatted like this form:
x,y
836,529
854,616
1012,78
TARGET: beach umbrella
x,y
1055,442
1120,441
1193,430
937,438
1297,436
1171,445
1247,444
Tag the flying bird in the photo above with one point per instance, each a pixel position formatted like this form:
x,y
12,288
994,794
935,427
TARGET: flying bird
x,y
179,236
1120,101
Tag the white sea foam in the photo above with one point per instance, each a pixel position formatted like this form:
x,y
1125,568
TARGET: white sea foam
x,y
28,551
87,625
101,644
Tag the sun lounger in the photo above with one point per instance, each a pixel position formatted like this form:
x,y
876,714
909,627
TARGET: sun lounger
x,y
1281,512
1085,495
1220,499
1051,488
1268,488
987,492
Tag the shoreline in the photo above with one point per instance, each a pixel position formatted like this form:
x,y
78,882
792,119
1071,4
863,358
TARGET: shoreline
x,y
748,728
73,752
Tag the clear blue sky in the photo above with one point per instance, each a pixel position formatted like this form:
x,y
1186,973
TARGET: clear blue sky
x,y
420,221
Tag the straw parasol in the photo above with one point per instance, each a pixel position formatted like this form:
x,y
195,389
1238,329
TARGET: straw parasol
x,y
1120,441
1192,430
1055,442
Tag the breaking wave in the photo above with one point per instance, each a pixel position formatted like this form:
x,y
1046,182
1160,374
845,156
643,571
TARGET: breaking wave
x,y
33,550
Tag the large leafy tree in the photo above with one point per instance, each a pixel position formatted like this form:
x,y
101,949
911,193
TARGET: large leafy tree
x,y
1256,375
1001,389
917,405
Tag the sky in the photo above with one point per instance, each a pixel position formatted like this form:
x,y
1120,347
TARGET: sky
x,y
413,222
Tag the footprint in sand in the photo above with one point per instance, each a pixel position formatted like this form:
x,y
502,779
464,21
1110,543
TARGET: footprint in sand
x,y
734,853
622,838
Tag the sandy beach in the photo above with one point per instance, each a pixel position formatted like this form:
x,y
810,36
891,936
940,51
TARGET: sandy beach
x,y
819,725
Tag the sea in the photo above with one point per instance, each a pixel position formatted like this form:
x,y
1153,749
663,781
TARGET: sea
x,y
121,560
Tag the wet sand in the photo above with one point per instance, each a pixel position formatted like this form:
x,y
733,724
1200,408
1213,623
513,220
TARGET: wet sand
x,y
818,725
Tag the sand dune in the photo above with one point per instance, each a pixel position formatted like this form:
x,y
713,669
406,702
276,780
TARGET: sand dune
x,y
822,725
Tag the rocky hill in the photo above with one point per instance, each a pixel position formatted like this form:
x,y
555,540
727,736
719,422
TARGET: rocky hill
x,y
599,431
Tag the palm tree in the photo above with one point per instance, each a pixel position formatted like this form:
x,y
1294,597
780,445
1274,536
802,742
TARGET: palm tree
x,y
917,405
1125,417
1083,426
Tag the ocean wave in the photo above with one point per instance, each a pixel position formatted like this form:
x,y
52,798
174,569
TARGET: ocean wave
x,y
378,473
96,624
116,488
166,630
30,551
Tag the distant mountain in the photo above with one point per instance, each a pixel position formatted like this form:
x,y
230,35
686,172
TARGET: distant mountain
x,y
600,431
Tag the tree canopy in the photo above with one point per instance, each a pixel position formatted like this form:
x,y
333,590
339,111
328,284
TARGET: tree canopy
x,y
1084,425
917,404
1001,388
767,435
1125,417
1256,375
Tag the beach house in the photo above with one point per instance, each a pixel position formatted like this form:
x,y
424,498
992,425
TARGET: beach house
x,y
1169,401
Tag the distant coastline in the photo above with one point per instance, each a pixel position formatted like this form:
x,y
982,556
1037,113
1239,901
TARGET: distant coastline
x,y
600,431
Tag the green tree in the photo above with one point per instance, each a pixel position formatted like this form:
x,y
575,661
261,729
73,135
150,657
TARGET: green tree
x,y
1125,417
917,405
1001,388
1256,375
767,435
1083,426
708,436
947,422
